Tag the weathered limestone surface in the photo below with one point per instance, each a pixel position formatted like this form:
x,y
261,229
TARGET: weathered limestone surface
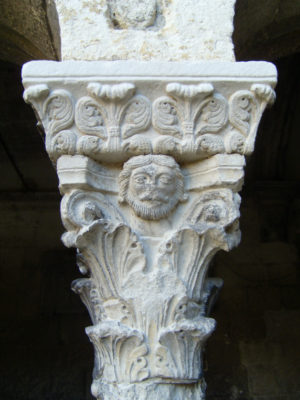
x,y
150,158
28,30
146,29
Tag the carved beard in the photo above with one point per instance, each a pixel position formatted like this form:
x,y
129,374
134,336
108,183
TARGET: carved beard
x,y
154,212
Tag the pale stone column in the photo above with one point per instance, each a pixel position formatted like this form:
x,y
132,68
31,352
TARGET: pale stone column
x,y
150,159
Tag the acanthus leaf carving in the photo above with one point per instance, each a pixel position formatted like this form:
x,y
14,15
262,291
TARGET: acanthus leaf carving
x,y
89,146
209,144
137,145
89,116
243,110
265,96
112,288
116,268
62,143
193,120
214,115
194,112
234,142
188,253
35,96
186,337
58,111
90,297
113,115
209,225
86,216
165,118
138,369
121,346
168,145
246,109
137,116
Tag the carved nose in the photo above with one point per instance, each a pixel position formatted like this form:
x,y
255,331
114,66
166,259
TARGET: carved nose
x,y
150,186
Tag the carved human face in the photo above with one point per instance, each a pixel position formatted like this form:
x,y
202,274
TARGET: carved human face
x,y
153,189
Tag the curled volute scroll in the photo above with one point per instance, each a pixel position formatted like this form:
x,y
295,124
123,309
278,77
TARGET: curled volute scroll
x,y
89,117
113,122
246,109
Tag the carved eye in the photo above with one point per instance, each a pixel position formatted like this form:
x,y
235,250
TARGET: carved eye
x,y
165,179
140,179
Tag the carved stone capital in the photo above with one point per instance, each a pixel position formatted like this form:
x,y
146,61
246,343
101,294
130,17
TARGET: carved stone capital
x,y
150,158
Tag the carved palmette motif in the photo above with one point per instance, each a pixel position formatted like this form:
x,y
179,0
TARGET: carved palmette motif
x,y
197,122
191,122
99,123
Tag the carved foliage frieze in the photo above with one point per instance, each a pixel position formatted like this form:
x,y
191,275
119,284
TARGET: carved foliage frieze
x,y
114,122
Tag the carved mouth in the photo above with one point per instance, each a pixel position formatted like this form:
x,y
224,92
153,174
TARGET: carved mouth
x,y
153,202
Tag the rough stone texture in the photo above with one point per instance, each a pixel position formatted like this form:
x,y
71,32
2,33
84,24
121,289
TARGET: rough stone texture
x,y
28,30
146,30
149,170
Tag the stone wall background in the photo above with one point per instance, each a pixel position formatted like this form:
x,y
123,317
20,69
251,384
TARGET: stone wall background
x,y
28,30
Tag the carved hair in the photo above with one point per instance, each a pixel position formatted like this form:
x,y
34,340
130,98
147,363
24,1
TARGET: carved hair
x,y
142,161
